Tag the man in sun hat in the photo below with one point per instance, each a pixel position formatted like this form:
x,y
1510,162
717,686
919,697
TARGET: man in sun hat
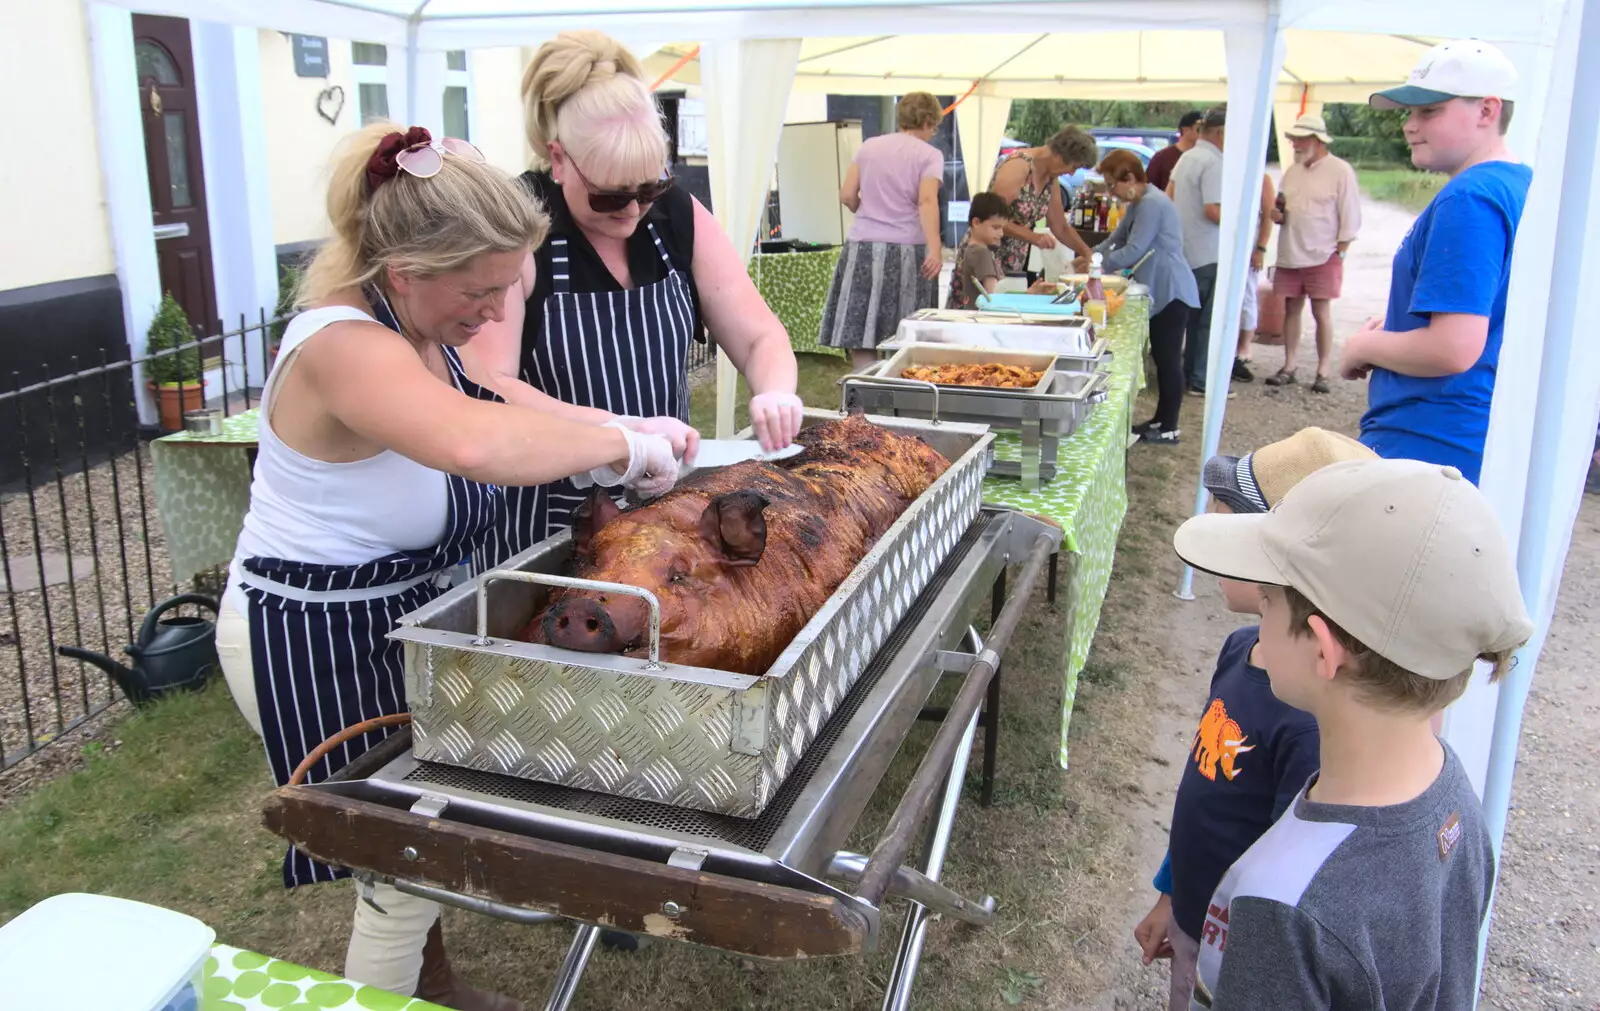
x,y
1320,218
1381,583
1432,359
1252,752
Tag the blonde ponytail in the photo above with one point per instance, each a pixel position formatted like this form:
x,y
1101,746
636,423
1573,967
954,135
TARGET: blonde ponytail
x,y
422,227
588,91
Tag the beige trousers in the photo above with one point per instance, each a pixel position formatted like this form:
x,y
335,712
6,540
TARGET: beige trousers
x,y
385,948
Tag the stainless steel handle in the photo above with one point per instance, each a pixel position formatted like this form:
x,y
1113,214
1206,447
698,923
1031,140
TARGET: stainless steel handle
x,y
870,379
568,583
176,230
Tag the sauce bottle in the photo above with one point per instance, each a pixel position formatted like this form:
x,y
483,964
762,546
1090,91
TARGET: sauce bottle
x,y
1094,293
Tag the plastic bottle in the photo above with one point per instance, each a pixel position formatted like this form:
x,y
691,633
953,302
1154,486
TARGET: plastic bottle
x,y
1094,293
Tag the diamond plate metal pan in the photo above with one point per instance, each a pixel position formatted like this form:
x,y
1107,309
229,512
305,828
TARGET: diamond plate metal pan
x,y
692,737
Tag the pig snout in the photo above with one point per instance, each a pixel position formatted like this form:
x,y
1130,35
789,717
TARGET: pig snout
x,y
597,624
581,623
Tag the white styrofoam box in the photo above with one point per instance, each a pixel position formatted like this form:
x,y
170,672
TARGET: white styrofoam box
x,y
78,952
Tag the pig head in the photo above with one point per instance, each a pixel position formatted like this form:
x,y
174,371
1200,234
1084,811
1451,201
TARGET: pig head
x,y
739,557
686,557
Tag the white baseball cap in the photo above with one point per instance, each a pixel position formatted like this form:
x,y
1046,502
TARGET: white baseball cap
x,y
1464,68
1406,556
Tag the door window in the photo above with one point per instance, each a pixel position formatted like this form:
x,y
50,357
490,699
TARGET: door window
x,y
175,131
155,62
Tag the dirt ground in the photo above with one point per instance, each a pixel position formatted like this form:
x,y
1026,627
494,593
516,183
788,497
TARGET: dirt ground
x,y
1544,945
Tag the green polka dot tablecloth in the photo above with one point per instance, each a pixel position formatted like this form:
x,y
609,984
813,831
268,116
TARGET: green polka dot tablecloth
x,y
795,286
237,980
202,486
1089,494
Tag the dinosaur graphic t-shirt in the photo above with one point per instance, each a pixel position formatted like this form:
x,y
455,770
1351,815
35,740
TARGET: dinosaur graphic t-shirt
x,y
1249,758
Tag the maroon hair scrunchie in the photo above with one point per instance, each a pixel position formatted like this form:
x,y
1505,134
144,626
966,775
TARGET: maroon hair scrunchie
x,y
382,166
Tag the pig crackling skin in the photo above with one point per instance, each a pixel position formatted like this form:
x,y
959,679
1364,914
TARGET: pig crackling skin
x,y
740,557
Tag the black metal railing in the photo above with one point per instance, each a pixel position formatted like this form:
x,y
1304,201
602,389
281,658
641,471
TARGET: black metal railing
x,y
81,557
701,356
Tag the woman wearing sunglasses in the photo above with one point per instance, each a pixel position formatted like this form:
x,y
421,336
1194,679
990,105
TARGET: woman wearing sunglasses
x,y
380,466
634,269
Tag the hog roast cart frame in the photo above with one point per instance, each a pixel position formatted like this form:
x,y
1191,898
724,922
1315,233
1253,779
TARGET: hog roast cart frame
x,y
534,852
1042,419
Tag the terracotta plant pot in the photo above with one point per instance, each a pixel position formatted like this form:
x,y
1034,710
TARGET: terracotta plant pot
x,y
173,399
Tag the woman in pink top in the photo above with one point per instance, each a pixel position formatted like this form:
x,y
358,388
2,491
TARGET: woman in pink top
x,y
890,265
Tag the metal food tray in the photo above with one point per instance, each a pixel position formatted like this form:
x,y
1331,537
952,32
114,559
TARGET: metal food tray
x,y
692,737
1042,419
1097,357
919,355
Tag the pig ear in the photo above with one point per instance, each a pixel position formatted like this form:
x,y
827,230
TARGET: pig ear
x,y
734,526
596,511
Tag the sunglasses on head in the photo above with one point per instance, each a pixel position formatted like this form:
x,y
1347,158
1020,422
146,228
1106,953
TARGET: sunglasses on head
x,y
611,201
425,160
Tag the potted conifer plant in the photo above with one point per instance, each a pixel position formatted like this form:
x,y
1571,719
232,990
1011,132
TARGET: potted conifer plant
x,y
174,379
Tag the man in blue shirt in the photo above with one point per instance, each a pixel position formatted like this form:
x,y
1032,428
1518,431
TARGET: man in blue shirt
x,y
1432,360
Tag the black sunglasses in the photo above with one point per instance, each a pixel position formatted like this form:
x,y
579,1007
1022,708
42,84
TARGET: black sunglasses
x,y
612,201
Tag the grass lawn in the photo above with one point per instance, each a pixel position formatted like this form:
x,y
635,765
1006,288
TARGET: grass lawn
x,y
1407,187
171,816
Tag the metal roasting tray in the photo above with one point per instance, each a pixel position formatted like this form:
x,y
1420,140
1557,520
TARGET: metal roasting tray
x,y
1012,331
1041,419
919,354
1097,356
689,737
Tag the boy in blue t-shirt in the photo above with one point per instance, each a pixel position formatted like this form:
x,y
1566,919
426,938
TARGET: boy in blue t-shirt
x,y
1433,357
1252,752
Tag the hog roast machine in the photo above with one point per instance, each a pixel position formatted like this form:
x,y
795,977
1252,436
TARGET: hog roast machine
x,y
538,784
1042,415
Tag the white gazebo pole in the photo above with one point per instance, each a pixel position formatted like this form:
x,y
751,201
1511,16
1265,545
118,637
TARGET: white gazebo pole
x,y
1548,365
1255,58
746,84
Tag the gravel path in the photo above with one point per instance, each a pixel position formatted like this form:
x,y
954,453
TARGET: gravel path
x,y
96,513
1544,946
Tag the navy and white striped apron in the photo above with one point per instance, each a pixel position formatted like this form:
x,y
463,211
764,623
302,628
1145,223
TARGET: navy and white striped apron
x,y
317,635
623,351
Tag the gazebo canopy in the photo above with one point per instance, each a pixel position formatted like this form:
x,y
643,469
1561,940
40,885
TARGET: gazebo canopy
x,y
1320,66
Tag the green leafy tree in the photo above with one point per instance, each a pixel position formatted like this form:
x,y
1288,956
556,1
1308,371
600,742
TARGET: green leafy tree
x,y
288,288
168,330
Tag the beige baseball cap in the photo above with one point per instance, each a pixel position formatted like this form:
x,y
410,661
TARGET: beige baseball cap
x,y
1406,556
1257,481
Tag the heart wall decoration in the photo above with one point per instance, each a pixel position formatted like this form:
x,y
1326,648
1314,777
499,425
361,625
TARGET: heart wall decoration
x,y
330,102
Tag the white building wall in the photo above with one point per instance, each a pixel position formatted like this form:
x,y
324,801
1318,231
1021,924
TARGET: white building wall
x,y
52,202
300,142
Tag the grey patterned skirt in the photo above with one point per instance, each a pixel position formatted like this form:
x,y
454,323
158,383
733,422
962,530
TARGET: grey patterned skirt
x,y
875,286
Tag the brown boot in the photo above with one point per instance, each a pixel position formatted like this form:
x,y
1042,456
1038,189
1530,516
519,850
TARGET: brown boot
x,y
439,984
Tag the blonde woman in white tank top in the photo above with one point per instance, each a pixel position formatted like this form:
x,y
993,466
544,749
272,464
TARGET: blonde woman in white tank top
x,y
383,452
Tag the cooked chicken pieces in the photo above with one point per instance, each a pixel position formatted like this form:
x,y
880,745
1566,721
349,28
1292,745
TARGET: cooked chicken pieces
x,y
1008,377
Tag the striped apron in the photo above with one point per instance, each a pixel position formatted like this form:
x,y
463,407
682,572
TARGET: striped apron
x,y
317,636
623,351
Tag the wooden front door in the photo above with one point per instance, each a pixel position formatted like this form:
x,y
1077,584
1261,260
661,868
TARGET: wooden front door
x,y
172,158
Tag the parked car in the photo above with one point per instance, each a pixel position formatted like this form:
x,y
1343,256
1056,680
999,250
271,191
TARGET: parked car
x,y
1153,138
1070,183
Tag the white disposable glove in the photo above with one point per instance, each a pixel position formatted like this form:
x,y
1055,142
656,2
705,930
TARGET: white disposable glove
x,y
685,440
652,469
776,418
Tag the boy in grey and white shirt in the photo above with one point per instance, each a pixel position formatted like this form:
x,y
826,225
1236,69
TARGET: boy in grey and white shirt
x,y
1382,582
